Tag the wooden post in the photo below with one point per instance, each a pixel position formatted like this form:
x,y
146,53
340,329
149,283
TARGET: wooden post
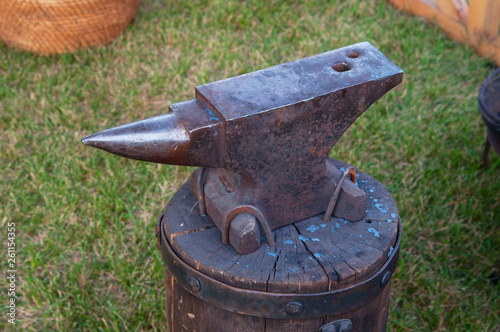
x,y
476,24
483,19
317,273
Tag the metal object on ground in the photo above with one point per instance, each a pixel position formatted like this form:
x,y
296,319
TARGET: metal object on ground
x,y
263,139
489,105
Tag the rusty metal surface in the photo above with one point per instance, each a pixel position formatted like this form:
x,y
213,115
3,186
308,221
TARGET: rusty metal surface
x,y
333,201
277,305
263,138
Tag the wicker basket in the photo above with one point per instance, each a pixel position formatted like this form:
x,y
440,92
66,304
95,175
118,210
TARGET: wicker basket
x,y
59,26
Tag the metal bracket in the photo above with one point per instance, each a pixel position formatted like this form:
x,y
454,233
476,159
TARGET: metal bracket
x,y
253,211
350,171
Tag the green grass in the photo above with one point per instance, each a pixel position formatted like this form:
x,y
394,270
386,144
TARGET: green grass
x,y
87,258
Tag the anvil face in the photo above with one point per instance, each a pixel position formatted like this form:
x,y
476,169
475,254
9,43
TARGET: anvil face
x,y
263,139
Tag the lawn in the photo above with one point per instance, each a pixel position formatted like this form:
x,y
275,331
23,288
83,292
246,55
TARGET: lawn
x,y
86,253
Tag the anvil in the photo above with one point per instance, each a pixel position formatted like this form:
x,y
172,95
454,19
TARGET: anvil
x,y
263,141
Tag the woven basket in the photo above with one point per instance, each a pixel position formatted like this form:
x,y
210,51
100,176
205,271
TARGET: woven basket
x,y
60,26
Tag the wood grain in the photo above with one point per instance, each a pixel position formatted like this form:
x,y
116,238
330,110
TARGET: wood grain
x,y
476,24
484,18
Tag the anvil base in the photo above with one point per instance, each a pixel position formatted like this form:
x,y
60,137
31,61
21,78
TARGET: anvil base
x,y
222,196
317,271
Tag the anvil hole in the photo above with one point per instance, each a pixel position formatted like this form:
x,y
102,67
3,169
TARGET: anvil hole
x,y
341,66
352,54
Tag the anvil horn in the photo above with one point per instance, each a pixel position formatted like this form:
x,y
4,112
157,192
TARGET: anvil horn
x,y
161,139
165,139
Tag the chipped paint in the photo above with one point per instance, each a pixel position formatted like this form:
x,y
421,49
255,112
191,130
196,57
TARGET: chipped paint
x,y
379,207
312,228
271,254
318,255
303,238
315,239
288,242
393,215
374,231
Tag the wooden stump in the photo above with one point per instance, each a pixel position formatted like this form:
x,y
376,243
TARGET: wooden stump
x,y
212,288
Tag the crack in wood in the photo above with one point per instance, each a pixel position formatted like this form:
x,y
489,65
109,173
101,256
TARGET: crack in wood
x,y
189,231
317,260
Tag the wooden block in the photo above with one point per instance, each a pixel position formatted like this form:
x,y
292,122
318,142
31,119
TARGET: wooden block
x,y
310,256
482,22
448,8
483,19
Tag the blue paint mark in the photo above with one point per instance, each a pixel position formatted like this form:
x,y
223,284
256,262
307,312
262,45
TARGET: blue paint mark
x,y
212,116
374,231
295,246
342,169
247,266
303,238
318,255
312,228
323,225
288,242
391,249
337,225
237,262
293,270
379,207
360,235
375,200
393,215
310,258
346,222
315,239
389,221
272,254
372,190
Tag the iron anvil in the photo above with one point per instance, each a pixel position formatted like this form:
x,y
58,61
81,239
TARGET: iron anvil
x,y
263,141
